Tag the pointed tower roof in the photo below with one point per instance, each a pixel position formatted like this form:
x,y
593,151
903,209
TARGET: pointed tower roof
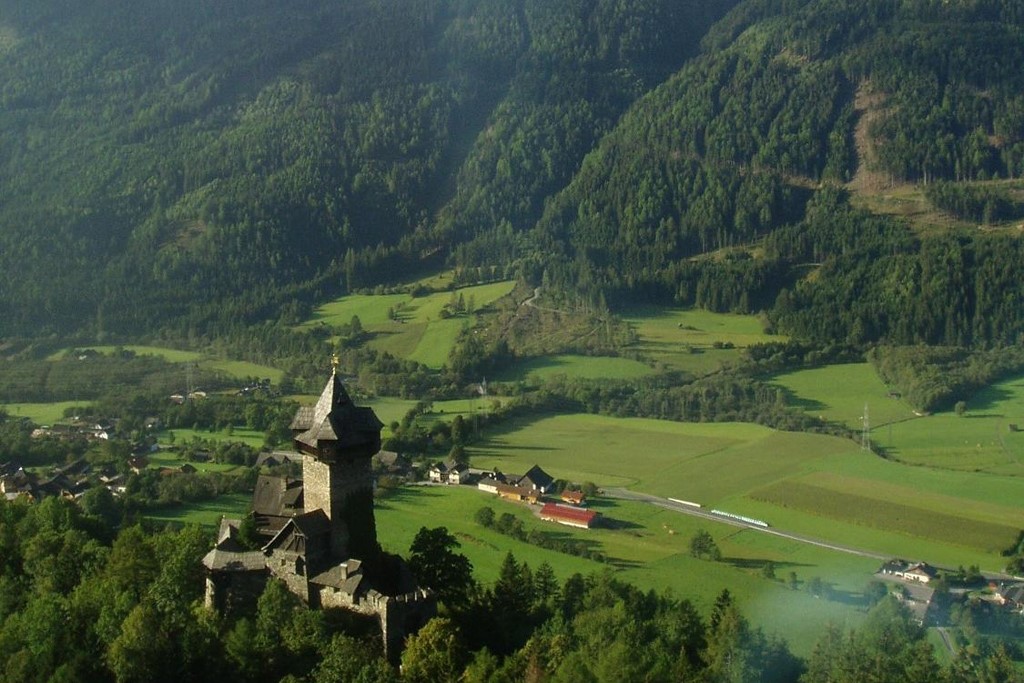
x,y
335,418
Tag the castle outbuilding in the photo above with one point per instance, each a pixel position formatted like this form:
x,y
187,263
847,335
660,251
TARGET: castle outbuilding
x,y
320,536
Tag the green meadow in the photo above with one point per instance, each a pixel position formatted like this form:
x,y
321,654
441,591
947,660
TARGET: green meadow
x,y
687,339
839,393
979,440
249,437
173,459
241,369
419,330
233,368
820,486
206,513
169,355
388,409
670,459
648,546
41,413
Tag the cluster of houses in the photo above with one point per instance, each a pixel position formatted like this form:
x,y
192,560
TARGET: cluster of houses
x,y
78,429
70,481
259,387
916,589
533,488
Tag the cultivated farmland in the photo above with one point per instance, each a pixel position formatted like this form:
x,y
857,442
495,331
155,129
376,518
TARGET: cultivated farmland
x,y
824,487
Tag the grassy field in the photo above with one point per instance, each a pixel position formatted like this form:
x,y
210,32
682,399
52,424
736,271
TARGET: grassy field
x,y
172,459
239,434
648,546
41,413
586,367
169,355
206,513
241,369
979,440
419,331
686,339
656,456
820,486
840,392
233,368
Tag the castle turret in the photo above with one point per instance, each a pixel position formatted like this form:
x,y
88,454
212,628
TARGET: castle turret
x,y
338,440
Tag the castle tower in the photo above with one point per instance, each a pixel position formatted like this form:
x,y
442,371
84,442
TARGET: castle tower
x,y
338,440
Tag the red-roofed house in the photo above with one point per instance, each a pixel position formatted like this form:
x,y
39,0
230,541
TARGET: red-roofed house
x,y
572,516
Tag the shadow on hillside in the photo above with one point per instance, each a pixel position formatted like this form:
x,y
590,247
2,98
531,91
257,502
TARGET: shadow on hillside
x,y
405,494
618,524
759,564
846,597
988,398
796,401
619,563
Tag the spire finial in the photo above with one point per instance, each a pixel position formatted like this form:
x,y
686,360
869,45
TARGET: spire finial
x,y
335,361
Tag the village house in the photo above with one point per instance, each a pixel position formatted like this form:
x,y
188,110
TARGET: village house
x,y
448,473
519,494
459,474
390,462
920,572
536,479
438,473
137,463
572,497
1010,596
490,481
277,458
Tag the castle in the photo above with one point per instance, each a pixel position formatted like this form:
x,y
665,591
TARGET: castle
x,y
319,535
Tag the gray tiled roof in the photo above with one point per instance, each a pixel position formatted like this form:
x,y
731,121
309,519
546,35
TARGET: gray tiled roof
x,y
335,418
227,561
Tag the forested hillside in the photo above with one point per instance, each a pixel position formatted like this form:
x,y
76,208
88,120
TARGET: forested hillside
x,y
188,161
192,165
745,153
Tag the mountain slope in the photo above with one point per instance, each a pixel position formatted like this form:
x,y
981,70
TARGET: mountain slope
x,y
196,161
190,165
700,194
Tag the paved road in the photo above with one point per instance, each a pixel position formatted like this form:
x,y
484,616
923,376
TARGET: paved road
x,y
626,494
